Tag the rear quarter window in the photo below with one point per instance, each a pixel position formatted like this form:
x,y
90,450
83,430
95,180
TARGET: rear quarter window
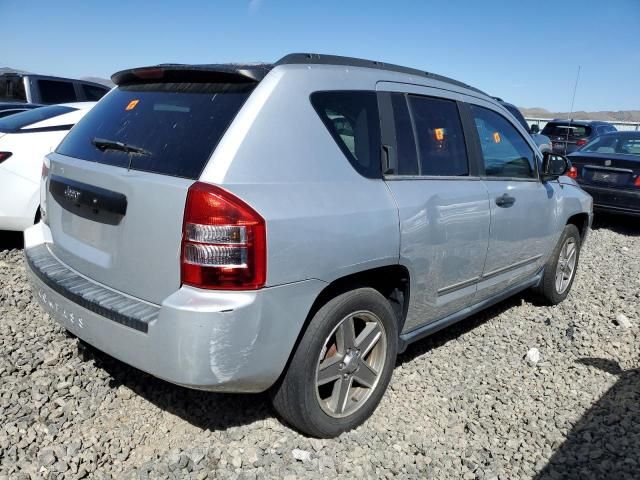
x,y
178,125
54,91
352,120
93,93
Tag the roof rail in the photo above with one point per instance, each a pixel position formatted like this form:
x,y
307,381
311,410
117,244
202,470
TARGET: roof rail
x,y
320,59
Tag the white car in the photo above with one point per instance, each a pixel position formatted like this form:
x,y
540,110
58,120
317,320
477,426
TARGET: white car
x,y
25,138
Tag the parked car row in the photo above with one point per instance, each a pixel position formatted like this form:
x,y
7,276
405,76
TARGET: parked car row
x,y
291,227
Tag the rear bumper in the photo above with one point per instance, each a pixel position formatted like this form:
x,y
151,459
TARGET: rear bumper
x,y
614,199
219,341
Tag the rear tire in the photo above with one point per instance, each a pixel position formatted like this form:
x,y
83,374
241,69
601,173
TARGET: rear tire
x,y
341,367
560,269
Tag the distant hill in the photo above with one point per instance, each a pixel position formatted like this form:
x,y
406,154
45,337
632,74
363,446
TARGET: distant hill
x,y
607,116
11,70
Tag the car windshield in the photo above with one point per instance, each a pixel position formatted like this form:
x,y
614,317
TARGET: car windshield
x,y
620,143
15,122
557,129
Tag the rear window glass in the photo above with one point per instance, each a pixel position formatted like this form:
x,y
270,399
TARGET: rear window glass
x,y
352,119
12,89
53,91
554,129
176,126
20,120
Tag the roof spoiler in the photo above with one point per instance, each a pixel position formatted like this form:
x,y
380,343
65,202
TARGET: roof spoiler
x,y
223,73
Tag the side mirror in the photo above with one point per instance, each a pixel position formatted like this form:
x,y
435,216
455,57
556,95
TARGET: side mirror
x,y
535,128
554,165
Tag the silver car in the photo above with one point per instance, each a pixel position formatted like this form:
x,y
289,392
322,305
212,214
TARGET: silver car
x,y
292,227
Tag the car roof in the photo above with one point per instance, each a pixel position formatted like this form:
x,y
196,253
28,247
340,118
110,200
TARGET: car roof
x,y
623,133
255,72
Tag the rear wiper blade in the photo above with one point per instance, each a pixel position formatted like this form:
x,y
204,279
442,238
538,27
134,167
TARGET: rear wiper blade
x,y
103,144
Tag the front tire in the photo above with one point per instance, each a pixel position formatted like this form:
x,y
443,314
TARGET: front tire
x,y
560,270
342,366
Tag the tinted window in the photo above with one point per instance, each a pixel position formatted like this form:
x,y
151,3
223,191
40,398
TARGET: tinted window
x,y
54,91
625,144
505,152
558,129
441,147
93,93
12,89
517,114
352,119
177,124
405,142
20,120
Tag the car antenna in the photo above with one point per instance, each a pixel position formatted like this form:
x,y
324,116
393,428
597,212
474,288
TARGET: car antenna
x,y
575,87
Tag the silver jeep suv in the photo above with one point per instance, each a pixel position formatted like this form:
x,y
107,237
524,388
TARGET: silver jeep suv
x,y
293,226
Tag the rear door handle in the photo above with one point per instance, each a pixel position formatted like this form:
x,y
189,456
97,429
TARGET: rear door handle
x,y
505,200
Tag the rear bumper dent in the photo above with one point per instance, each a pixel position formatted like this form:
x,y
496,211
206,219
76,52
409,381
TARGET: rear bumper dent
x,y
219,341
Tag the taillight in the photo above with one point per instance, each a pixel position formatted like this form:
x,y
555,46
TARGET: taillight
x,y
4,156
581,142
224,244
637,182
573,172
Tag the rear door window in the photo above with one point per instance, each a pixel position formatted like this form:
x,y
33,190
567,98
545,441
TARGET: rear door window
x,y
173,127
352,120
55,91
405,139
504,151
438,131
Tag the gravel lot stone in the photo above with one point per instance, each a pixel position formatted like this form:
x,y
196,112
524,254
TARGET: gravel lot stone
x,y
465,403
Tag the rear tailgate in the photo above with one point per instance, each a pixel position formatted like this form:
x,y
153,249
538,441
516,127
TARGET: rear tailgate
x,y
117,184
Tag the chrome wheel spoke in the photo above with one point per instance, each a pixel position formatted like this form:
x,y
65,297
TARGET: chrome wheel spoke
x,y
366,375
329,370
368,338
345,335
340,395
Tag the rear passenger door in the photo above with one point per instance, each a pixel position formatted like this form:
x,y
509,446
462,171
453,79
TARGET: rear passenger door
x,y
443,204
522,207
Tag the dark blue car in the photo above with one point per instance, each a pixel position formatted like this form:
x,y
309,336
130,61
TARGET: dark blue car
x,y
608,168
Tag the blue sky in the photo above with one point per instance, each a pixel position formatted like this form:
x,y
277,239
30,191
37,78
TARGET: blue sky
x,y
527,52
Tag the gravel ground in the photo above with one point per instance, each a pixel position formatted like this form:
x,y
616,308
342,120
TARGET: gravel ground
x,y
469,402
